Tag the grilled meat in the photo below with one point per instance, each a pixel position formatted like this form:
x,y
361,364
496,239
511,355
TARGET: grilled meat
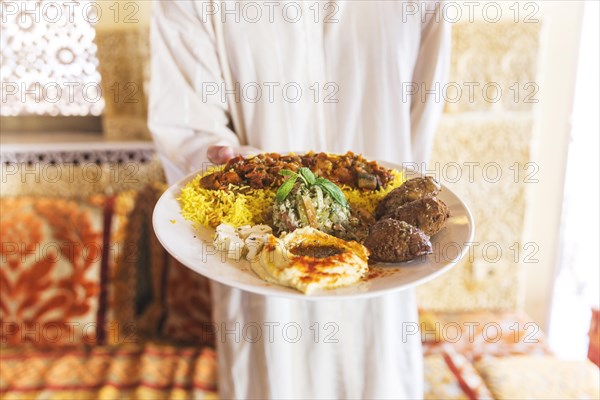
x,y
411,190
428,214
390,240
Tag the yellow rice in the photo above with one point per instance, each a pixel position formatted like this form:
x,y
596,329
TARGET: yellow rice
x,y
206,207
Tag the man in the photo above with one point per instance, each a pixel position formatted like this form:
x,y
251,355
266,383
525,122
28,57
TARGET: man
x,y
299,76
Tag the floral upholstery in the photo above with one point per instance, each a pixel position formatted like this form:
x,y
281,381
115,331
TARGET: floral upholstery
x,y
78,264
148,286
188,306
449,375
80,273
480,334
149,371
88,294
501,355
137,268
50,274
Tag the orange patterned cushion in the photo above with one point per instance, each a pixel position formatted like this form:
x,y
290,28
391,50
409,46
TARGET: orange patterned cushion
x,y
482,334
152,371
150,294
50,270
540,377
137,268
449,375
92,271
188,313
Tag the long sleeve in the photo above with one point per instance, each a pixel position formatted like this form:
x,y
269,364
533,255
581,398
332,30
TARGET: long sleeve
x,y
183,117
430,73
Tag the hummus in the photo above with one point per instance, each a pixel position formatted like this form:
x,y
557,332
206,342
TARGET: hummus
x,y
309,260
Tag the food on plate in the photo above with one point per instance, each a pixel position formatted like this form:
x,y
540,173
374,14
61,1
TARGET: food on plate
x,y
262,171
209,208
407,215
411,190
308,260
244,205
244,240
428,214
390,240
313,221
307,200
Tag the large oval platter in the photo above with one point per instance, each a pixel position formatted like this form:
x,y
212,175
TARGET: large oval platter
x,y
193,248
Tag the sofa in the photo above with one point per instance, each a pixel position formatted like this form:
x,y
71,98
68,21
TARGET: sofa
x,y
92,306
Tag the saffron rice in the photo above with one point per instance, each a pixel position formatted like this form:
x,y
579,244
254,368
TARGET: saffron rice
x,y
209,208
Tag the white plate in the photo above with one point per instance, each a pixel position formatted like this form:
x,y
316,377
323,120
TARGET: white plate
x,y
194,249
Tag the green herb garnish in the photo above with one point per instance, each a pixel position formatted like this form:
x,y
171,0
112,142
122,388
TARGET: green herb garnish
x,y
307,175
309,179
285,188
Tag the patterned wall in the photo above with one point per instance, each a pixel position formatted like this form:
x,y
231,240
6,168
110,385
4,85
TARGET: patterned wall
x,y
48,59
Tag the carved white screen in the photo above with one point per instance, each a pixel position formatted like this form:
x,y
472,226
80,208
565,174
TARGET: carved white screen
x,y
48,59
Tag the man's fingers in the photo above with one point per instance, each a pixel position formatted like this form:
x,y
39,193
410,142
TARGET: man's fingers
x,y
246,151
220,154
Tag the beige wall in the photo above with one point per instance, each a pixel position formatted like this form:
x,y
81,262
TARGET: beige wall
x,y
507,213
123,52
124,14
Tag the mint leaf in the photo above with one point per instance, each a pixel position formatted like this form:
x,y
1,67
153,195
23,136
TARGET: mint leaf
x,y
308,175
285,188
286,172
333,190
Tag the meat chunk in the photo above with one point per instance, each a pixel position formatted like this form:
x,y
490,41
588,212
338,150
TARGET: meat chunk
x,y
411,190
367,181
210,181
428,214
230,178
342,176
390,240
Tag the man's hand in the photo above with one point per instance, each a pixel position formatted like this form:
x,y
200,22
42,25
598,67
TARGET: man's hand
x,y
222,154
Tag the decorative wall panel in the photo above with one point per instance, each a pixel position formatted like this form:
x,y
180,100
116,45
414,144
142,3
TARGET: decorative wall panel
x,y
48,59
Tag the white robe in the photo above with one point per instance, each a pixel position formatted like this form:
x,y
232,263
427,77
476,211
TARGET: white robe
x,y
296,76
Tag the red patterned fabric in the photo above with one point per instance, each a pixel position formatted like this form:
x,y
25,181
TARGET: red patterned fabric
x,y
136,270
150,293
594,346
483,334
50,270
114,372
78,273
449,375
188,306
92,271
83,272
